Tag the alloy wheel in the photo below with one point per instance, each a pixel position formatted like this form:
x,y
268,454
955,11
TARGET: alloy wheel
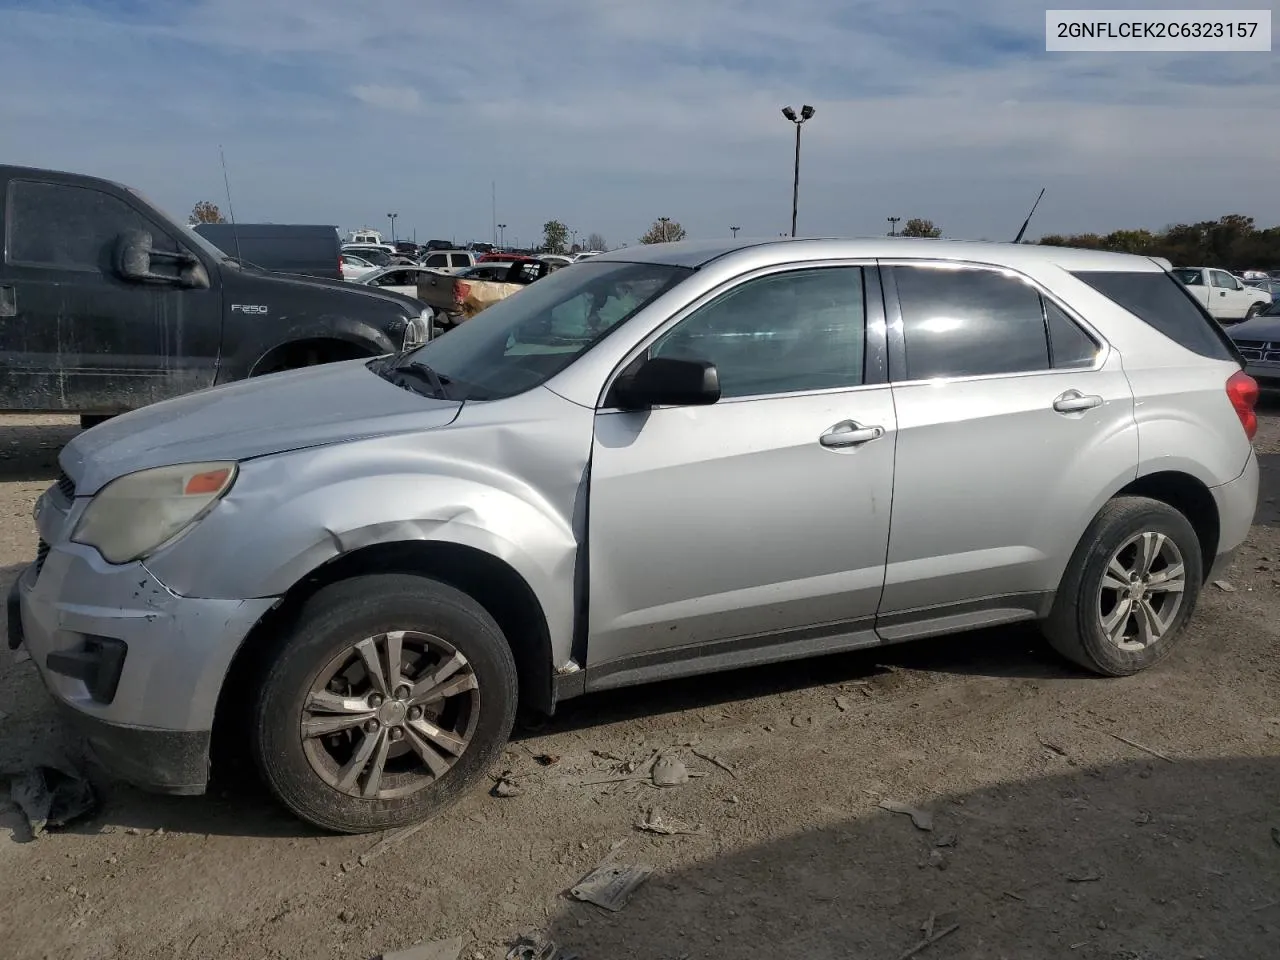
x,y
390,715
1142,591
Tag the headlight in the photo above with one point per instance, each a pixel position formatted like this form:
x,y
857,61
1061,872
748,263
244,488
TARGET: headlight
x,y
134,515
417,330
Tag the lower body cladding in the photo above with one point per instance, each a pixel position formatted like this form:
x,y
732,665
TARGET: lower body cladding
x,y
134,667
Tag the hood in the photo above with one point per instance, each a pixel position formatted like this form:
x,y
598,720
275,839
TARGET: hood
x,y
317,405
412,307
1265,327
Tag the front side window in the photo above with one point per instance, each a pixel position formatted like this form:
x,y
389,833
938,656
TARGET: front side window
x,y
522,341
437,260
66,227
1225,280
461,260
783,333
961,322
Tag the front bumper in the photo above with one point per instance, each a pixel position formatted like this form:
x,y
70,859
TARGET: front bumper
x,y
150,724
1267,374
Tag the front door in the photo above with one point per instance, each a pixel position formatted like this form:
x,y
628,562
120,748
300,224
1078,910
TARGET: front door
x,y
762,513
80,337
1225,300
1012,423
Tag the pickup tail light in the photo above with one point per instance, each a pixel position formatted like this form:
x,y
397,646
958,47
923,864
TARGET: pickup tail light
x,y
1242,391
461,289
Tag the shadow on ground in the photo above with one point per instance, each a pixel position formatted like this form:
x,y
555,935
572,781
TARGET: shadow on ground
x,y
29,452
1138,861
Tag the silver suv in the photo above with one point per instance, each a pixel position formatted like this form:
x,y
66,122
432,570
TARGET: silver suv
x,y
661,461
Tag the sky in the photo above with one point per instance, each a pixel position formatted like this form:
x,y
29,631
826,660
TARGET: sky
x,y
607,114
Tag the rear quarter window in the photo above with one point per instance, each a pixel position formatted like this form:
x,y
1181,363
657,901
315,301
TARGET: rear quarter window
x,y
1161,302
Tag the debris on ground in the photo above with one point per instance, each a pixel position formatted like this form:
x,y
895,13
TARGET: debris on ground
x,y
655,822
716,761
535,948
1091,877
21,656
844,704
669,771
347,915
436,950
923,819
1052,747
1139,746
506,786
929,940
386,843
51,797
610,886
1225,586
946,840
546,759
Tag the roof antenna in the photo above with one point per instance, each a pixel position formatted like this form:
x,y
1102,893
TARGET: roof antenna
x,y
235,234
1018,238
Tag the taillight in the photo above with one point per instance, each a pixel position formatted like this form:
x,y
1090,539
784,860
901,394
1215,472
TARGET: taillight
x,y
460,291
1242,390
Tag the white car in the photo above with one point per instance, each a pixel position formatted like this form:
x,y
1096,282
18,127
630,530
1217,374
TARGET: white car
x,y
585,254
398,279
1227,299
353,267
560,260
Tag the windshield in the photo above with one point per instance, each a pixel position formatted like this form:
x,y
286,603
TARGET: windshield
x,y
1191,278
524,340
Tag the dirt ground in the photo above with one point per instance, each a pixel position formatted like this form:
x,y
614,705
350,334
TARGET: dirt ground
x,y
1052,836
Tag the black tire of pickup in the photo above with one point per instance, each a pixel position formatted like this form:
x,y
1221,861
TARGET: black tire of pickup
x,y
296,763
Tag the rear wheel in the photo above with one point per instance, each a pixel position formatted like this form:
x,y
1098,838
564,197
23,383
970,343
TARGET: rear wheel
x,y
1129,589
390,697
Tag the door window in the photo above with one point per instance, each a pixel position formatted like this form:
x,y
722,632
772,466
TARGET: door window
x,y
961,322
1223,279
460,259
66,227
437,260
784,333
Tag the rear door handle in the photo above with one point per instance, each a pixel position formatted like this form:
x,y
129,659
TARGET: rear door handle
x,y
1073,401
850,433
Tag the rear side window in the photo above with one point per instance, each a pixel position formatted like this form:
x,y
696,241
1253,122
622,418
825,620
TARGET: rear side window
x,y
968,323
1161,302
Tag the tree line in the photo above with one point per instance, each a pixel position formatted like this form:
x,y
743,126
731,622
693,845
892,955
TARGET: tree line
x,y
1231,242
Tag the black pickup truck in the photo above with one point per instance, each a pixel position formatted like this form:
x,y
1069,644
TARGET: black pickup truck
x,y
107,304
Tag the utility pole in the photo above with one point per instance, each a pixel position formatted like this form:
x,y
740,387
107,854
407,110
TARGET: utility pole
x,y
664,221
502,236
735,232
392,218
493,201
806,112
893,225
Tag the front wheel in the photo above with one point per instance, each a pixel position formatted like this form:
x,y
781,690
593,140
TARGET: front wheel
x,y
390,697
1254,310
1129,589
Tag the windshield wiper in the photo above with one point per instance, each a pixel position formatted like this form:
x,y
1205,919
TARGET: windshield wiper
x,y
438,384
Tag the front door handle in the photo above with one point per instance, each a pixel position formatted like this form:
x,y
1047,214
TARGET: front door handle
x,y
850,433
1073,401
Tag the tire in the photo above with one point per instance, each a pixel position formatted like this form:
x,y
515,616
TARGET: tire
x,y
1254,310
438,619
1075,625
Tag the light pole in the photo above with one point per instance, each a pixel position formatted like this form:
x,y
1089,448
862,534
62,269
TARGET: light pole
x,y
502,235
735,232
893,225
574,235
392,218
664,221
806,112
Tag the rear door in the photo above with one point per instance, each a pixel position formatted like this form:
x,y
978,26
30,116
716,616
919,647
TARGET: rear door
x,y
1012,420
81,338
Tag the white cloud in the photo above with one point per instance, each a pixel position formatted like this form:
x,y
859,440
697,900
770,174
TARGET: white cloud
x,y
398,99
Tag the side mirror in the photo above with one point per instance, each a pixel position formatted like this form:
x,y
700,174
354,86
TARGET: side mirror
x,y
134,254
669,381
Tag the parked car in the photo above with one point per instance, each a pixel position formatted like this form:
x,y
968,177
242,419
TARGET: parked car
x,y
408,248
664,461
449,261
1227,298
353,267
559,259
433,245
374,254
400,279
1270,286
1258,341
284,247
585,254
458,298
107,304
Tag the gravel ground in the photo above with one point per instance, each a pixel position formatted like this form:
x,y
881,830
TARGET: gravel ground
x,y
1128,819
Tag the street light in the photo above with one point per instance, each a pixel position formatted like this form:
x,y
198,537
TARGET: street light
x,y
664,221
735,232
392,218
502,235
893,225
806,112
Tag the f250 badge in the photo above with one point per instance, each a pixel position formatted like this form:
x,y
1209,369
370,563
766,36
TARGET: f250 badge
x,y
248,308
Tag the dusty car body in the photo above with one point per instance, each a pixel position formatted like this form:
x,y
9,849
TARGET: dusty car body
x,y
663,461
